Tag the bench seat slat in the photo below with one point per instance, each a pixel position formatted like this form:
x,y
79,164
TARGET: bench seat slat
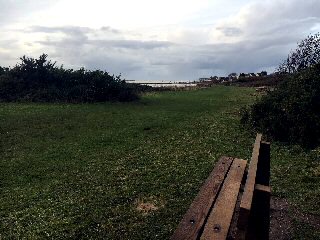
x,y
193,220
219,220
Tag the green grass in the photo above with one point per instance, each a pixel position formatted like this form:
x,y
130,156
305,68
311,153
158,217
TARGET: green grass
x,y
296,176
304,231
79,171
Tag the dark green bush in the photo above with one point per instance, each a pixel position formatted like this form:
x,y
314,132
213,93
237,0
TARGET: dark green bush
x,y
40,80
291,113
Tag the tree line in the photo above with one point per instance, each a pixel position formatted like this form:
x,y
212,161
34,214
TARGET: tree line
x,y
40,80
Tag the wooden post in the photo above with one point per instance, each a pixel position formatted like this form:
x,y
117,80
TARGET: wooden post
x,y
259,221
263,171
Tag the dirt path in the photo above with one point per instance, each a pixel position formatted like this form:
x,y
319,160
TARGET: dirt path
x,y
282,217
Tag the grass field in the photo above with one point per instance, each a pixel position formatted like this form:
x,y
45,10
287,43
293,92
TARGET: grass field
x,y
129,170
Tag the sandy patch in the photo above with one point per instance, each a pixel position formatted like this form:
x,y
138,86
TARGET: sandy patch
x,y
148,205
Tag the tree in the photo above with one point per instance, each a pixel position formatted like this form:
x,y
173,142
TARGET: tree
x,y
264,73
291,113
306,55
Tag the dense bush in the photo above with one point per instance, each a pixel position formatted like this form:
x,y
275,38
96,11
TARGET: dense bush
x,y
40,80
291,113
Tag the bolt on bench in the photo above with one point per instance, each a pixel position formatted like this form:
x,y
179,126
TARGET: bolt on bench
x,y
234,201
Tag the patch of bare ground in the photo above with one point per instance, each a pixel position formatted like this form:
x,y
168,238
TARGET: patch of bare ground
x,y
283,215
149,205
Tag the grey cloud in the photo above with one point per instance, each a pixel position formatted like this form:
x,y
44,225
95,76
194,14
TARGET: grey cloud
x,y
267,32
106,44
281,17
13,11
132,44
79,35
9,43
8,59
72,29
110,29
243,56
130,57
65,42
230,31
69,30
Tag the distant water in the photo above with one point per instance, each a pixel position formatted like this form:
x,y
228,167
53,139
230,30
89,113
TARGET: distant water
x,y
165,83
170,85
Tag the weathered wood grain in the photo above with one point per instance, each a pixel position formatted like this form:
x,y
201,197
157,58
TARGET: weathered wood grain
x,y
259,222
247,197
219,220
193,220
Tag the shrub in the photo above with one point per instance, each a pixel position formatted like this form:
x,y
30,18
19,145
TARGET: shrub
x,y
291,113
40,80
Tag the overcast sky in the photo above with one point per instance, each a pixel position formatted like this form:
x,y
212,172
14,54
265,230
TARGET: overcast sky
x,y
157,40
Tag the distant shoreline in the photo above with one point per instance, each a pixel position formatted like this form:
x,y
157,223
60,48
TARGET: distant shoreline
x,y
164,83
169,84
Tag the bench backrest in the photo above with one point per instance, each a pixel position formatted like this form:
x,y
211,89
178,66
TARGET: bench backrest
x,y
253,219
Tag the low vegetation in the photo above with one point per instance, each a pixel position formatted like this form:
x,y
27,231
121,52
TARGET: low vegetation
x,y
130,170
261,81
39,80
291,113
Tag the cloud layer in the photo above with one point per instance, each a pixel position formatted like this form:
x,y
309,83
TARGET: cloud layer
x,y
255,37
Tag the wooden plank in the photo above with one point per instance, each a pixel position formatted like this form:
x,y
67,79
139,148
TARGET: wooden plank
x,y
218,223
263,171
247,196
262,188
259,221
192,222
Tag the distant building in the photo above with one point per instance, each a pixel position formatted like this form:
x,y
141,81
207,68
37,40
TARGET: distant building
x,y
214,78
233,76
223,79
204,79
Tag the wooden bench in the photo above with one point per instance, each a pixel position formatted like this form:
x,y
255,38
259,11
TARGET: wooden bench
x,y
234,201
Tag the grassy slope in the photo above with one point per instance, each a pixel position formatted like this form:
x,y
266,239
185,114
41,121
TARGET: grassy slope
x,y
72,171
